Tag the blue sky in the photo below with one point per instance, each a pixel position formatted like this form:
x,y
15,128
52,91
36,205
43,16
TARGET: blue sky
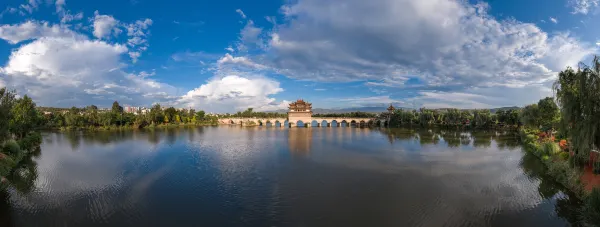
x,y
236,54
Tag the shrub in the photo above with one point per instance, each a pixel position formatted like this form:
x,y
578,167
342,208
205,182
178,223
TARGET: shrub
x,y
6,165
550,148
564,156
563,144
530,138
591,207
30,142
11,148
565,175
545,157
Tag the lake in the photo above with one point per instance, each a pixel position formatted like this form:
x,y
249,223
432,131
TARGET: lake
x,y
267,176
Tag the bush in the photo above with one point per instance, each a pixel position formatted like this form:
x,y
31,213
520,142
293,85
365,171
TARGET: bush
x,y
6,165
565,175
11,148
550,148
591,207
530,138
564,156
30,142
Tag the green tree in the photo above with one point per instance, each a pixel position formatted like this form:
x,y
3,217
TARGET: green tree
x,y
200,115
578,95
549,114
24,117
7,100
166,119
116,108
170,113
156,114
530,116
177,119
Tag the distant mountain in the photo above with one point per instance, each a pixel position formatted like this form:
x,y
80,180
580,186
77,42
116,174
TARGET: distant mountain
x,y
370,109
378,109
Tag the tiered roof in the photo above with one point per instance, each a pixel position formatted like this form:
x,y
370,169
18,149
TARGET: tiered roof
x,y
300,105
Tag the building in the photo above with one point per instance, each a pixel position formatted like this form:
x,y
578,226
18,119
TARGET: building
x,y
300,111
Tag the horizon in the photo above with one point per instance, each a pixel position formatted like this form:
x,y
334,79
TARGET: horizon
x,y
230,57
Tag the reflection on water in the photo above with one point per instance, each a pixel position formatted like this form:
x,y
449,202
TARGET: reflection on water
x,y
262,176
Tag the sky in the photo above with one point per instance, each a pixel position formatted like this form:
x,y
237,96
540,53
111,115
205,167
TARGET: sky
x,y
231,55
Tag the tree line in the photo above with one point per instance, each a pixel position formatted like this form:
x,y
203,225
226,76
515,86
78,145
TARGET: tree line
x,y
249,113
116,117
453,117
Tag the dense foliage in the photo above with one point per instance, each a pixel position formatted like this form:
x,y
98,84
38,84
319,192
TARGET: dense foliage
x,y
453,117
18,140
249,113
544,115
578,93
92,117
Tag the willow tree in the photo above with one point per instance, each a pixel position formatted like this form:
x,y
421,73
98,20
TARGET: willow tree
x,y
578,95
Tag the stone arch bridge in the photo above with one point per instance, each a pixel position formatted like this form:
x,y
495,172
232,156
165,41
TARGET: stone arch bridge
x,y
311,122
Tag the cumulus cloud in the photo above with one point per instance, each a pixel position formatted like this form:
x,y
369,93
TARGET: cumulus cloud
x,y
554,20
32,30
583,6
75,71
448,45
105,25
235,92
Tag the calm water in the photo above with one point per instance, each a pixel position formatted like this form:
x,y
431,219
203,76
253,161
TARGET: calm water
x,y
233,176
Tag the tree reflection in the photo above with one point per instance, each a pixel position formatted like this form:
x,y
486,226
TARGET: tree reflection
x,y
22,180
482,139
452,138
567,205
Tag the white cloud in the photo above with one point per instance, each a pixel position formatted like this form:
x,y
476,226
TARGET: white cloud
x,y
554,20
230,49
31,30
583,6
66,71
448,45
368,101
31,6
250,37
489,97
67,17
235,92
241,13
137,33
105,25
60,4
242,61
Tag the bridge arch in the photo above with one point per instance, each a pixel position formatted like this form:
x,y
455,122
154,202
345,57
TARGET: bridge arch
x,y
344,124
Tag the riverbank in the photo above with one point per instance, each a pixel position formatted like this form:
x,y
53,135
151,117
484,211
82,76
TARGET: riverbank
x,y
562,167
14,152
